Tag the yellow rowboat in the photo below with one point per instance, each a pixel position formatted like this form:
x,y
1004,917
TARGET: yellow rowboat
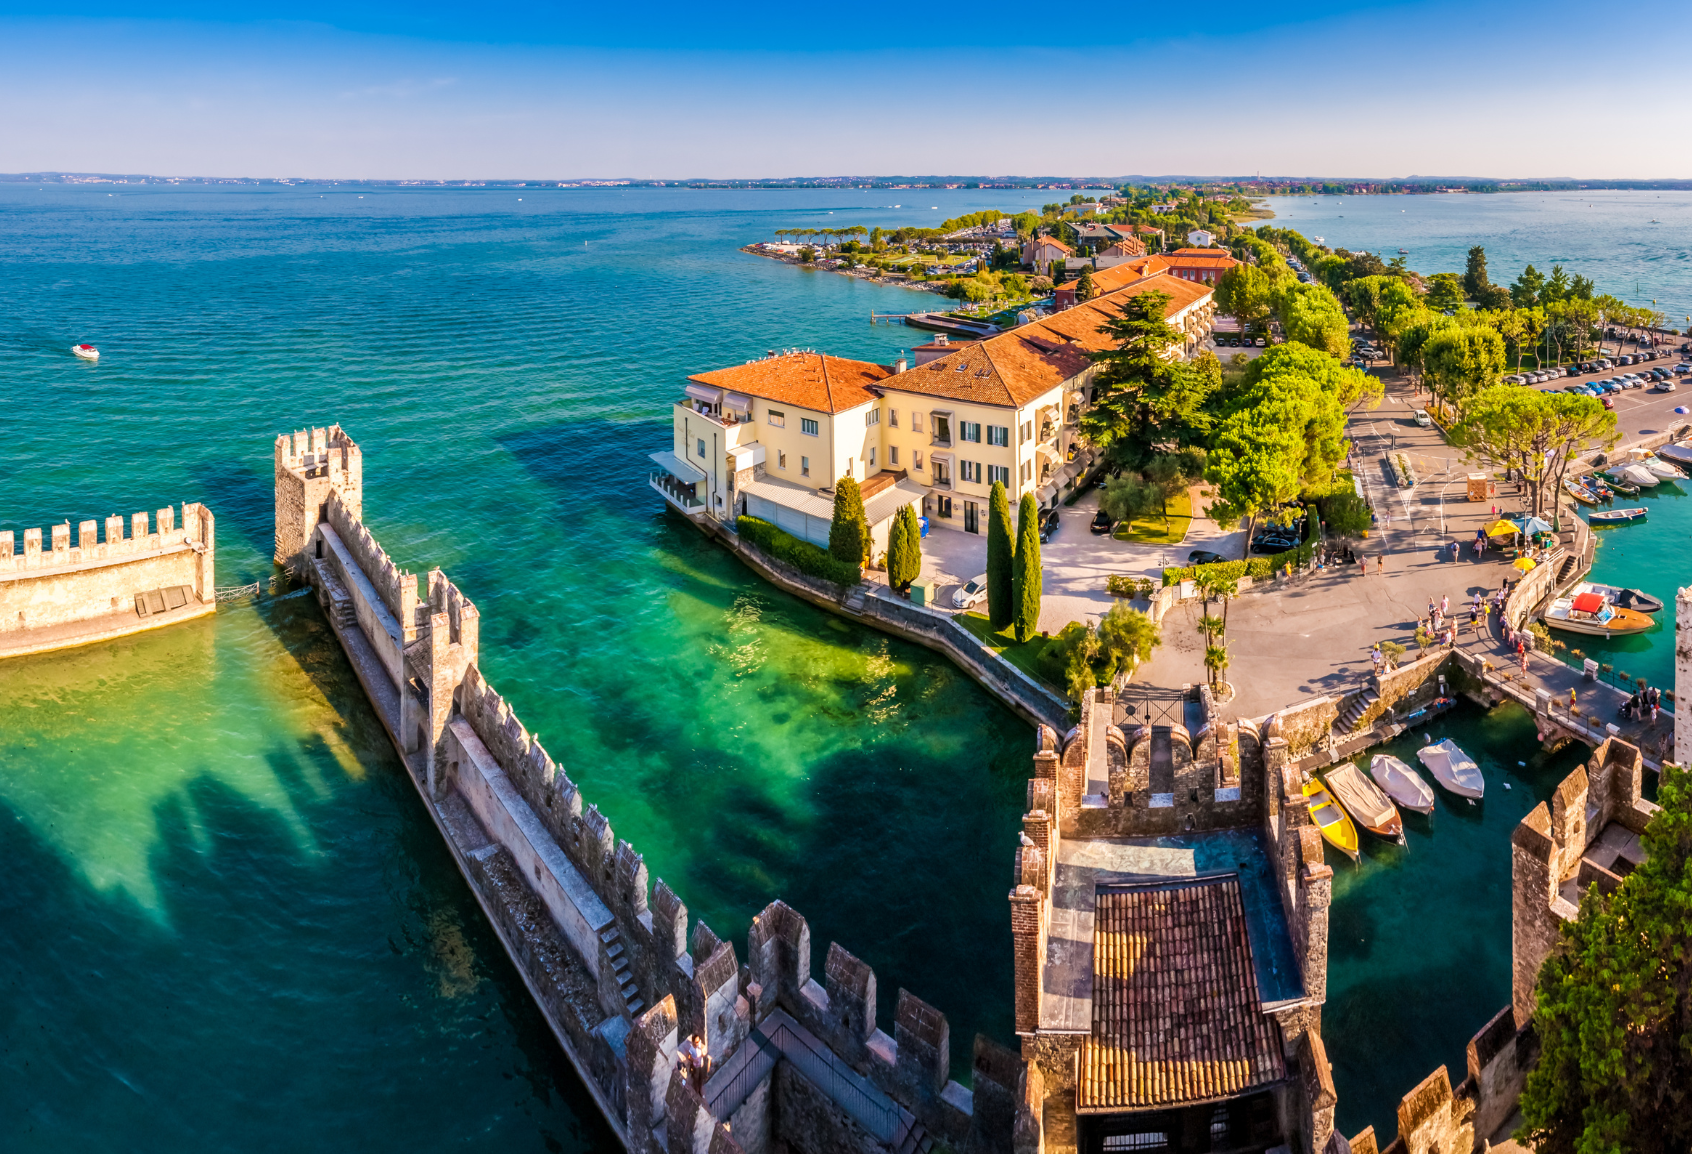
x,y
1333,822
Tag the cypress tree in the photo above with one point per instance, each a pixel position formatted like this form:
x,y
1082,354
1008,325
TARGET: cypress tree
x,y
1001,549
1025,576
848,534
904,549
1084,289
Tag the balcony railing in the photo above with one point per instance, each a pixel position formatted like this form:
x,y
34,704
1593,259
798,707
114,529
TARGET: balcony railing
x,y
680,495
942,481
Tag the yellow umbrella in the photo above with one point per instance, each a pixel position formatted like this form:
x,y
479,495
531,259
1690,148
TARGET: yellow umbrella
x,y
1501,529
1524,563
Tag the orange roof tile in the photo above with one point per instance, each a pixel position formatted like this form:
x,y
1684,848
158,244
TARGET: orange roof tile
x,y
1054,242
814,381
1176,1013
1015,367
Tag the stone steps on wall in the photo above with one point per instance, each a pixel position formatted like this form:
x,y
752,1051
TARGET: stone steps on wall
x,y
619,959
341,609
1348,720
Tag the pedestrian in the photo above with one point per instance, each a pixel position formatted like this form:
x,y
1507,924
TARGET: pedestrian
x,y
1432,607
1375,658
1504,631
1653,713
1522,653
1472,616
1363,564
1571,699
1380,562
1444,605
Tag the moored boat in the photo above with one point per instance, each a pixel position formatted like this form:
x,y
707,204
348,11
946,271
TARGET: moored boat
x,y
86,352
1616,516
1364,800
1637,475
1620,484
1590,613
1661,468
1580,492
1679,453
1401,783
1333,822
1636,599
1453,768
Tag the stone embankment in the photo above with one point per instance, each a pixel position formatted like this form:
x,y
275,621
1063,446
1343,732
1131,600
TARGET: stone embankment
x,y
685,1048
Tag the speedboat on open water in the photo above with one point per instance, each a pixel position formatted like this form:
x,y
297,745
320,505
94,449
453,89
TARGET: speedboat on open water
x,y
1403,784
86,352
1589,613
1453,768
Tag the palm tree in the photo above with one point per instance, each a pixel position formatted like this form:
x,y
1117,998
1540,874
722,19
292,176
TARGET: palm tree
x,y
1215,661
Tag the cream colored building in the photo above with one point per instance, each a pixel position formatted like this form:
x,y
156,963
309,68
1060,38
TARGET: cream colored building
x,y
771,437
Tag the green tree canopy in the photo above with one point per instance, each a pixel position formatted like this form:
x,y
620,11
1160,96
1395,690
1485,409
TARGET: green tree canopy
x,y
1445,292
848,533
1311,315
1085,289
1460,361
904,548
1614,1007
1141,398
1001,557
1246,292
1526,290
1128,635
1535,433
1026,575
1474,273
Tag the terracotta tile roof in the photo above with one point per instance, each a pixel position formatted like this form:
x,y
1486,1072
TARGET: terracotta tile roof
x,y
1129,247
1054,242
1014,368
814,381
1195,256
1176,1015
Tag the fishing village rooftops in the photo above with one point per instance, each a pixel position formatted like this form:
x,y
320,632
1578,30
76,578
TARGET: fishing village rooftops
x,y
1176,1013
1015,368
809,380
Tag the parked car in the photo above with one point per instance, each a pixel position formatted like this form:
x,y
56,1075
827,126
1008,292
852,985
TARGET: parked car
x,y
1423,419
1261,342
1609,402
1513,379
1101,522
1666,386
1048,525
1204,557
971,592
1273,544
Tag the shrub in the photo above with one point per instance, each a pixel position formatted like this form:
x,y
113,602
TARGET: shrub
x,y
1119,586
802,555
1258,569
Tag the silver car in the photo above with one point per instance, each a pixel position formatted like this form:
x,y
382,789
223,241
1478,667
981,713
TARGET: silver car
x,y
972,592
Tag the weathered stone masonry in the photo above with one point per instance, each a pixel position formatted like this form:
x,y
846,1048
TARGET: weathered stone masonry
x,y
607,952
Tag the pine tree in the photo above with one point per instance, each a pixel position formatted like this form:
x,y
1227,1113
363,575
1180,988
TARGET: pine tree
x,y
1001,552
1025,575
1474,274
1084,289
904,549
849,535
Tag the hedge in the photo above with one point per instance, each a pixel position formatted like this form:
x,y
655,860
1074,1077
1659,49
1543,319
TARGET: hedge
x,y
1257,568
802,555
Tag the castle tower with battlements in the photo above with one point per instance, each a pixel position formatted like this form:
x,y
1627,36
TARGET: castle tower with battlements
x,y
310,465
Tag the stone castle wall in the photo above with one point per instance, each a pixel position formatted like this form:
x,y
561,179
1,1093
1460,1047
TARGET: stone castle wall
x,y
54,582
609,952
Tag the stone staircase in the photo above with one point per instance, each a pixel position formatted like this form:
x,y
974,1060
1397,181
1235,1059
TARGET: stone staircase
x,y
341,609
917,1141
1347,722
619,959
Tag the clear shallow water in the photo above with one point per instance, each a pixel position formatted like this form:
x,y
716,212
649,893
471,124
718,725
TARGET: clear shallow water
x,y
232,923
1649,555
1419,935
1604,235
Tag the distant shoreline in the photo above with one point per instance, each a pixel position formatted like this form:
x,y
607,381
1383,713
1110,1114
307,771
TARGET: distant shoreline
x,y
916,286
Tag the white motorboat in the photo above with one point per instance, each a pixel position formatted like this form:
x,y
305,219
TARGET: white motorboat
x,y
1679,453
1590,613
86,352
1661,468
1637,474
1403,784
1635,599
1453,768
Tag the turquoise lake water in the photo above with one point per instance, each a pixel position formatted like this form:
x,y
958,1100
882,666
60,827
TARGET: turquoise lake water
x,y
231,923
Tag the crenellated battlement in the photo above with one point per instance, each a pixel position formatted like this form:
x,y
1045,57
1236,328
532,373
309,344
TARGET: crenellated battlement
x,y
52,548
609,951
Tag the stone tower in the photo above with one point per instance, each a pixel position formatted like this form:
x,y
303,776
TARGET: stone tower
x,y
311,464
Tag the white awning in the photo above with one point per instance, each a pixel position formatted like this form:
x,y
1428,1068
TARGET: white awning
x,y
746,456
677,468
704,393
887,502
739,401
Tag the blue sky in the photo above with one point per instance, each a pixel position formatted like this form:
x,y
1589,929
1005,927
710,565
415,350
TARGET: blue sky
x,y
552,91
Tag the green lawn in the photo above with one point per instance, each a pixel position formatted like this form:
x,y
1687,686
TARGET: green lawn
x,y
1151,531
1022,654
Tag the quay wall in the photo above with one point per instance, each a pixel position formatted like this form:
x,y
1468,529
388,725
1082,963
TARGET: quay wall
x,y
611,957
53,585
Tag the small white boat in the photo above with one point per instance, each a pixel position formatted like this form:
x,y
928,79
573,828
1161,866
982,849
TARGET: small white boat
x,y
1453,768
1661,468
1679,453
1638,475
1403,784
86,352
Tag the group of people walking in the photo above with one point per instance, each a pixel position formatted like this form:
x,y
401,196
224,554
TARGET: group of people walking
x,y
1643,704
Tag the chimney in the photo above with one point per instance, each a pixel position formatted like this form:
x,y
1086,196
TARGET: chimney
x,y
900,365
